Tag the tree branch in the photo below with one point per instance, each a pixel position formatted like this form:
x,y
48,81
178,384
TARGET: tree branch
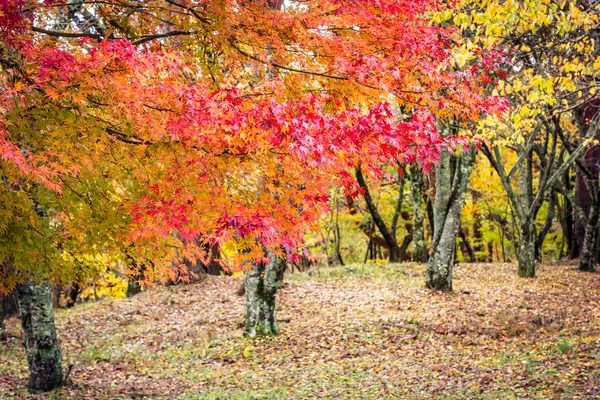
x,y
66,34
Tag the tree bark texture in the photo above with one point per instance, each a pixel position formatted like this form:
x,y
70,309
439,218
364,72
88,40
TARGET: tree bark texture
x,y
526,249
589,250
419,248
452,177
526,219
39,333
261,288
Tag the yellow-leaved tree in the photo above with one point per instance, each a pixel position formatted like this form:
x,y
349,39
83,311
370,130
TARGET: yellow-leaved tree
x,y
554,56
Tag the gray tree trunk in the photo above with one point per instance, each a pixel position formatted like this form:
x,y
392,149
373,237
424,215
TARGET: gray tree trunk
x,y
261,288
452,178
526,249
526,220
39,333
589,251
587,179
419,249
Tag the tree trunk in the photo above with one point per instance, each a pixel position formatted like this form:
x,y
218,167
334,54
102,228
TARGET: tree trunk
x,y
585,115
589,251
133,280
389,235
213,265
39,333
419,250
404,245
478,247
439,269
2,326
133,286
584,201
261,287
74,292
57,291
466,248
430,217
8,308
526,249
568,219
337,238
546,227
452,177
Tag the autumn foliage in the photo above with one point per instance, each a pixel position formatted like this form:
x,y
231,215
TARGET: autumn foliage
x,y
206,128
152,141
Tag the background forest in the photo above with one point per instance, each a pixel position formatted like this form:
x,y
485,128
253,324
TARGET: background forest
x,y
370,185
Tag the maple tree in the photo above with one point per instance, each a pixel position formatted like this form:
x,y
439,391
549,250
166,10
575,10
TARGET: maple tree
x,y
81,78
138,130
144,134
549,80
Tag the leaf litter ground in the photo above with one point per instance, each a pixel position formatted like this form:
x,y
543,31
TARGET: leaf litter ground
x,y
355,332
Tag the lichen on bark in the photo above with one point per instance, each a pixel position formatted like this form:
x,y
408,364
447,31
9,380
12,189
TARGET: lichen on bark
x,y
419,248
452,177
589,251
261,284
39,333
526,249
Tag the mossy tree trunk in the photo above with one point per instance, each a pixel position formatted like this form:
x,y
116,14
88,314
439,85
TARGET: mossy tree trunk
x,y
526,218
541,143
261,285
419,248
526,249
39,333
133,287
452,175
523,201
262,281
589,251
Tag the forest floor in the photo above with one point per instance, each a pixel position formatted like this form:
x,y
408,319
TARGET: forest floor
x,y
354,332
